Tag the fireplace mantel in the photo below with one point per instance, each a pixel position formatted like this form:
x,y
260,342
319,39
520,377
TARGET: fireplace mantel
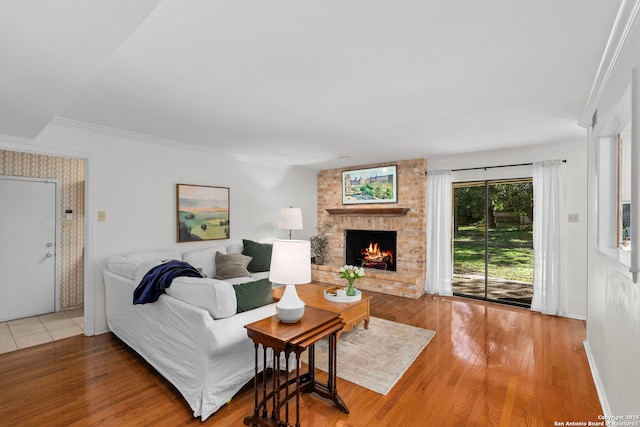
x,y
368,211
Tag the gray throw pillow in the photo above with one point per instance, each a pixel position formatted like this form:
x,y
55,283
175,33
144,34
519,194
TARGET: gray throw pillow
x,y
231,265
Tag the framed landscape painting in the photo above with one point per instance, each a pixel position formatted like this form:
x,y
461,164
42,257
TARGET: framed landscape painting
x,y
373,185
202,212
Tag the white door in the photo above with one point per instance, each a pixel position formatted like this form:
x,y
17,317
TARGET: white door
x,y
27,248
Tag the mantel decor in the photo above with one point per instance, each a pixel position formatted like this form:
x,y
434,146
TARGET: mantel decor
x,y
373,185
202,212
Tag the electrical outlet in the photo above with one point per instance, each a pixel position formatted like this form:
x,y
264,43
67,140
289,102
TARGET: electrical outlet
x,y
102,216
574,218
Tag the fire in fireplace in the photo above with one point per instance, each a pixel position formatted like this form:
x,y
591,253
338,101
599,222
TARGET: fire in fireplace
x,y
371,249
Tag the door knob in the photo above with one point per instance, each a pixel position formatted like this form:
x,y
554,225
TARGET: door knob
x,y
49,254
49,244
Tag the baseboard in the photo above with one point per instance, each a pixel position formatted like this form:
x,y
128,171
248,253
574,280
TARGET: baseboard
x,y
596,379
574,316
102,331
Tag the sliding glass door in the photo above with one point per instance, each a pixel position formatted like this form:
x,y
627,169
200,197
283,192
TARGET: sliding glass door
x,y
493,240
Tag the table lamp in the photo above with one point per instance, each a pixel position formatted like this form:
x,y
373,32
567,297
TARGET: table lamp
x,y
290,219
290,266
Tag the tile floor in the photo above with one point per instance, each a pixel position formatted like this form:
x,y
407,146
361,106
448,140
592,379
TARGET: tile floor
x,y
21,333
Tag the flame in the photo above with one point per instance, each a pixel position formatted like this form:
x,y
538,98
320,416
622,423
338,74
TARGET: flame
x,y
374,254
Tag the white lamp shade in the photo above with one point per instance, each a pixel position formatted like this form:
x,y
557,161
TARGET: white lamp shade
x,y
290,219
290,262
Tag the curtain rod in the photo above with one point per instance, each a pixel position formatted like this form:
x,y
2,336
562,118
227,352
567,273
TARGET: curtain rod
x,y
500,166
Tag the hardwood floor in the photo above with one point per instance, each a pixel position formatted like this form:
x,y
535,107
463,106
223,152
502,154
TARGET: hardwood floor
x,y
487,365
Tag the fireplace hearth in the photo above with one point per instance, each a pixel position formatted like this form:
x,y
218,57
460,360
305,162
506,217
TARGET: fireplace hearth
x,y
371,249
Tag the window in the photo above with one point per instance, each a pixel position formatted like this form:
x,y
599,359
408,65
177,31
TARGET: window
x,y
614,182
617,183
624,188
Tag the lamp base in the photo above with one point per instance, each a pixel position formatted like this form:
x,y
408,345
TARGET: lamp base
x,y
290,308
289,315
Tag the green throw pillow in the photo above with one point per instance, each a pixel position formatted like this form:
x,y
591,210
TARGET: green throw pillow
x,y
252,295
261,254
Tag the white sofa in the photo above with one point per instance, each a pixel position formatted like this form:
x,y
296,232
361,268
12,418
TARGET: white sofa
x,y
207,359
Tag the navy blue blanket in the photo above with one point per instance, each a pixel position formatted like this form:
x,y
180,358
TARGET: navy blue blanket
x,y
159,278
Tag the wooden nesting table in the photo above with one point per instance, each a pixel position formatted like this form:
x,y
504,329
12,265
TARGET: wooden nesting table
x,y
286,339
351,313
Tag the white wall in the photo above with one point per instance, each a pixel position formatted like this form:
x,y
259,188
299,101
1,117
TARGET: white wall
x,y
575,178
133,179
613,323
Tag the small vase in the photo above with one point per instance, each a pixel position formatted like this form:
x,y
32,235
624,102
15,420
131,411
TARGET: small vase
x,y
351,290
319,260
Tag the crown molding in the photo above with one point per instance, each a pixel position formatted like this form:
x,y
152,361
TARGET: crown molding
x,y
27,145
619,115
140,136
154,139
621,27
15,139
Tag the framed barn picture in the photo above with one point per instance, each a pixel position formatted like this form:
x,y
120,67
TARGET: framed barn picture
x,y
373,185
202,212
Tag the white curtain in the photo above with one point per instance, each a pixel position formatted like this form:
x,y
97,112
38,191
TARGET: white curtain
x,y
439,205
548,234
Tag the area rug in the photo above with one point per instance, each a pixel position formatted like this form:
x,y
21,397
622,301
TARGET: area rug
x,y
377,357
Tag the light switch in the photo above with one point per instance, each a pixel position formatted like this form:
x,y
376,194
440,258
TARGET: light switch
x,y
102,216
574,218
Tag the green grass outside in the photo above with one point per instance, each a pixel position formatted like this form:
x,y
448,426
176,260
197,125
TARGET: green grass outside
x,y
510,252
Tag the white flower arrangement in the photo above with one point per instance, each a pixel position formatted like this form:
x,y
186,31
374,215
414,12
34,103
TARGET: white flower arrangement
x,y
351,272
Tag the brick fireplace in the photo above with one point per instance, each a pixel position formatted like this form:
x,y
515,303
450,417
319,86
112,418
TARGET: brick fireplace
x,y
406,218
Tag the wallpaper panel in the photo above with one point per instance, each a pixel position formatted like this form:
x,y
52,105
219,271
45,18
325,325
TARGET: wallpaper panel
x,y
70,173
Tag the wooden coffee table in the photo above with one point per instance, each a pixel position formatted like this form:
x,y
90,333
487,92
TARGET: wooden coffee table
x,y
351,313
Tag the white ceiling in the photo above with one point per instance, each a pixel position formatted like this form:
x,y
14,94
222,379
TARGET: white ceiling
x,y
304,82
